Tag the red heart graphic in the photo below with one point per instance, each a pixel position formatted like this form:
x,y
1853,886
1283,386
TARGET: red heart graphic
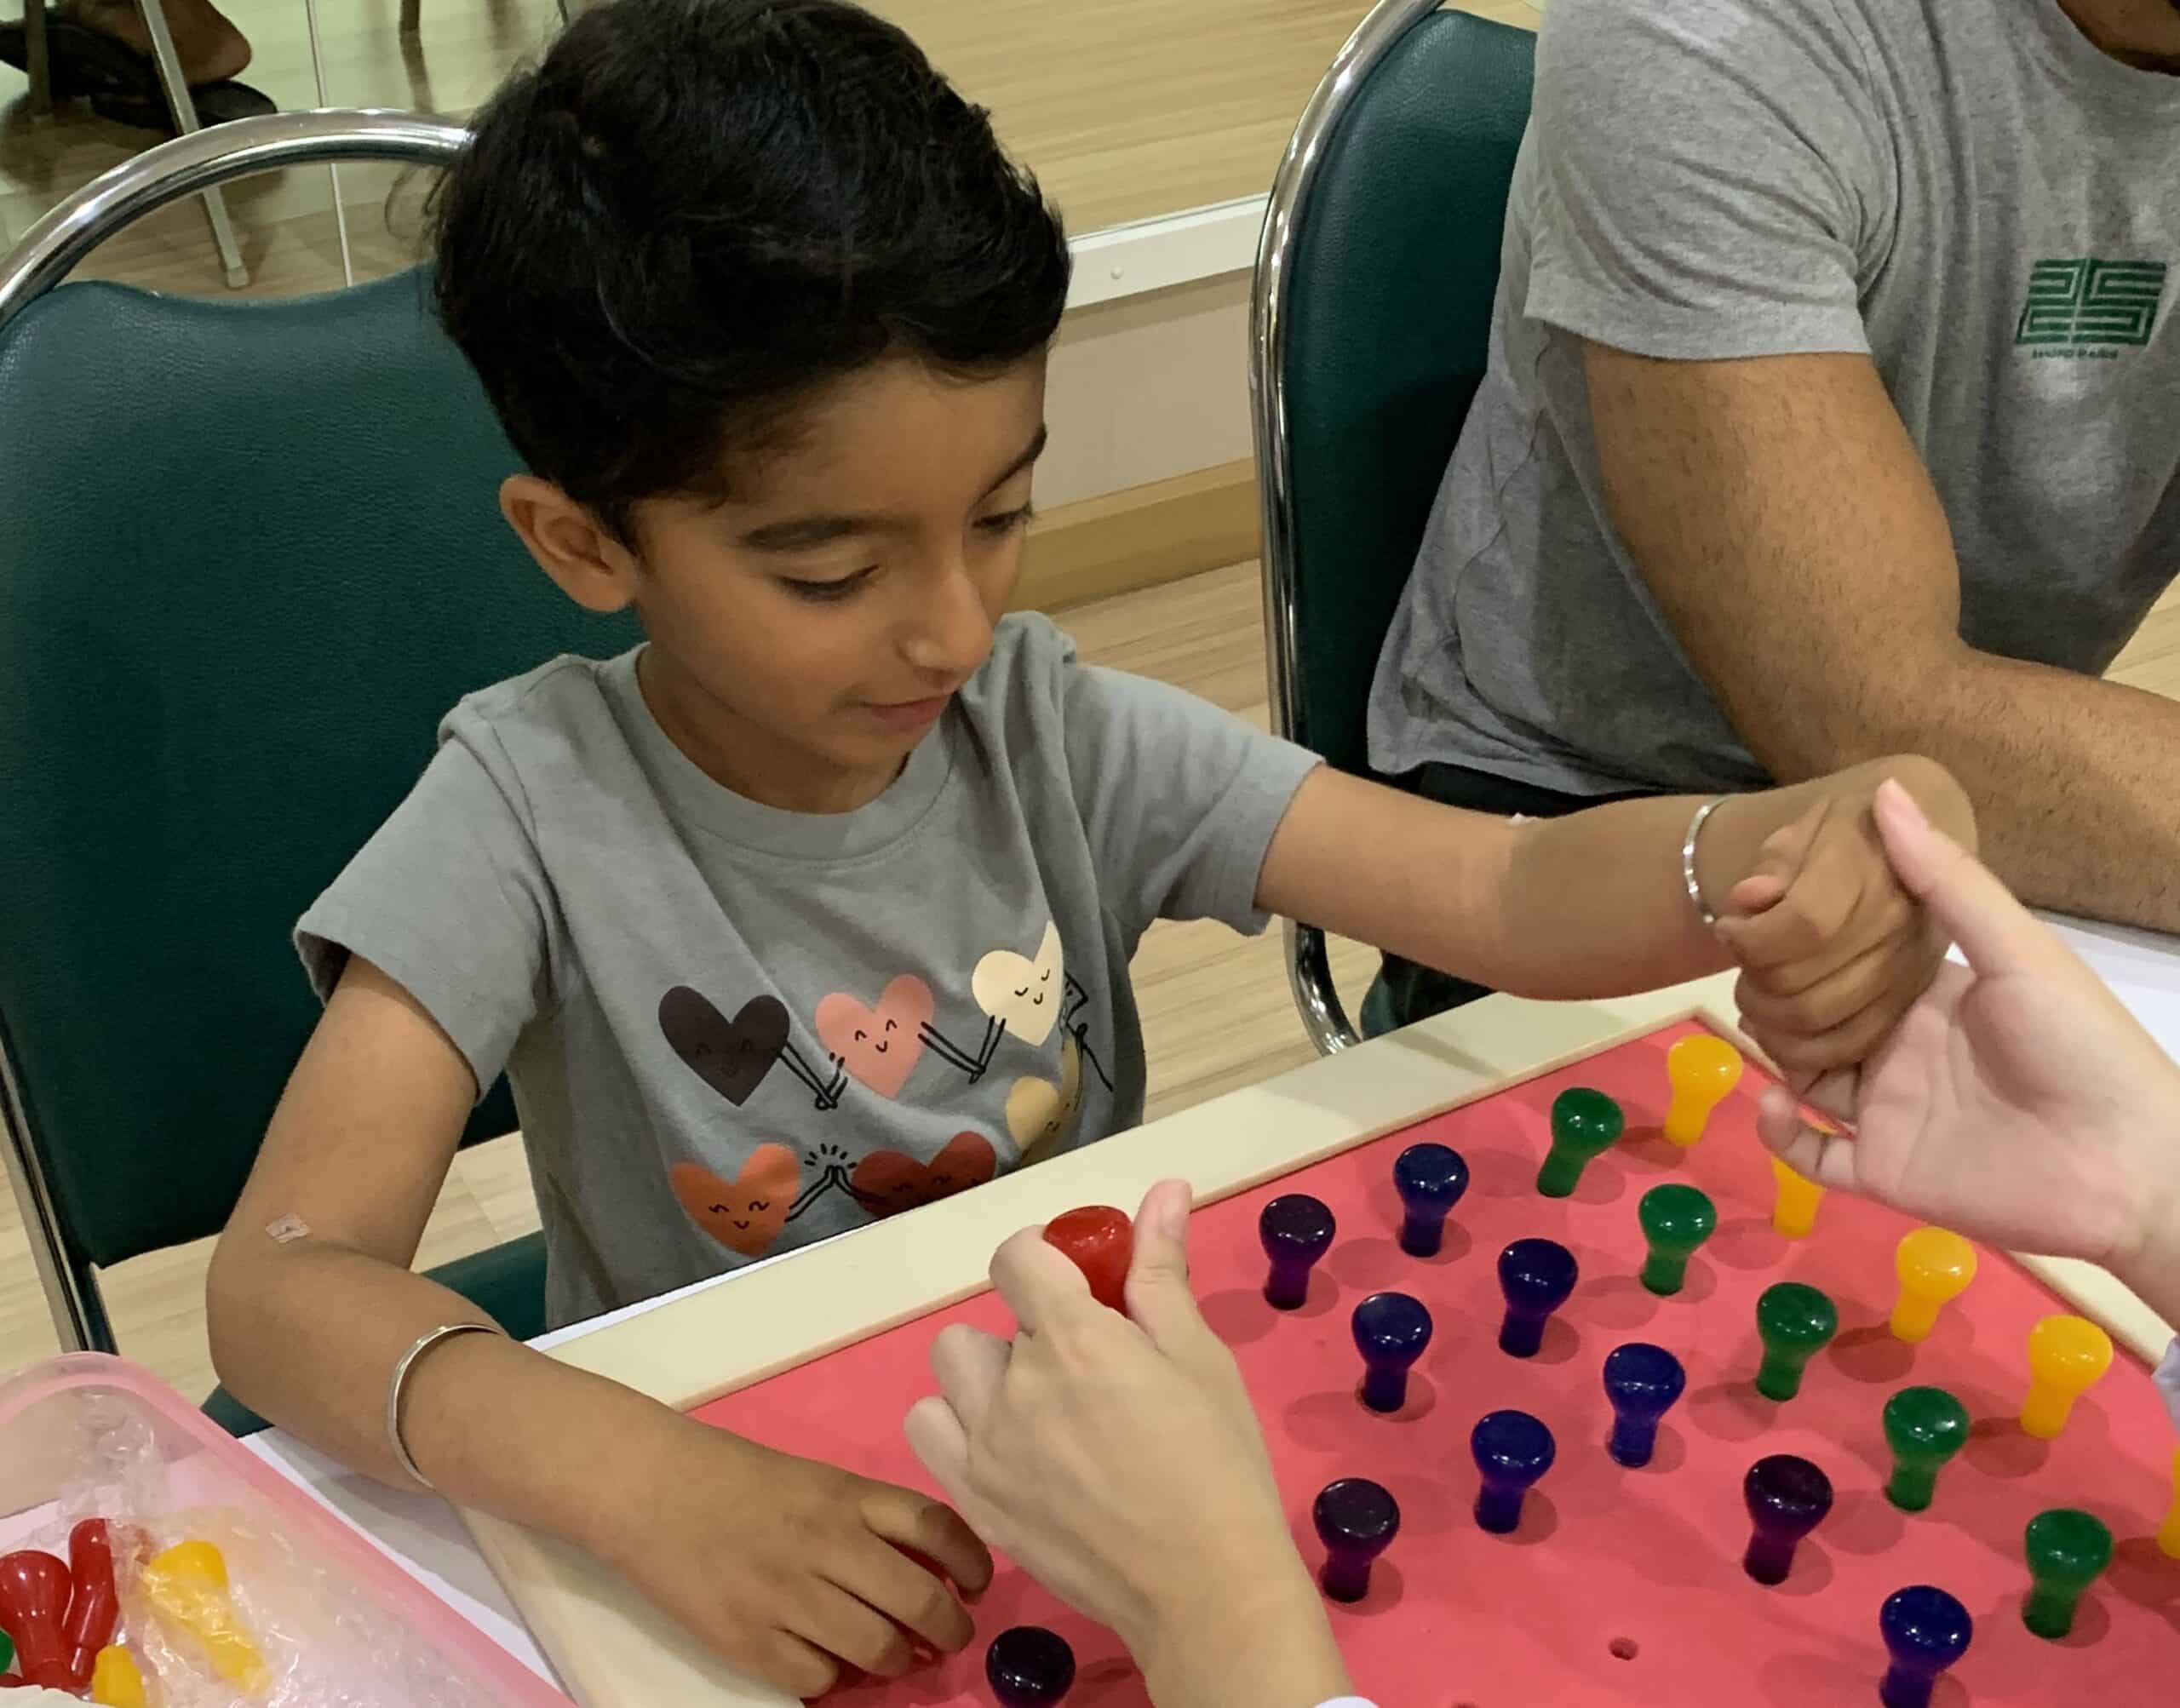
x,y
745,1216
887,1183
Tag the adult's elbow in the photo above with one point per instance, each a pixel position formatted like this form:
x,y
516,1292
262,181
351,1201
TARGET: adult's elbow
x,y
1831,720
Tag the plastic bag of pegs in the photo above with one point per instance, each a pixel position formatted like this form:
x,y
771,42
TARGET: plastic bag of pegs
x,y
148,1558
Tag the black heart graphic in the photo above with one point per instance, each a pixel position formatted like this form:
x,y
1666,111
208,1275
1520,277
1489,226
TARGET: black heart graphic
x,y
732,1056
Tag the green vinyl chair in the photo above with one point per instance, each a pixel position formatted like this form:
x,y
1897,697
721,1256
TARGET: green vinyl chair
x,y
251,553
1369,328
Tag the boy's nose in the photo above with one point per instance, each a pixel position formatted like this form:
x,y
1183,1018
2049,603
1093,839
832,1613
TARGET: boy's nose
x,y
953,633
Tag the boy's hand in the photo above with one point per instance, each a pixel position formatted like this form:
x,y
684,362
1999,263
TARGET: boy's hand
x,y
787,1567
1833,948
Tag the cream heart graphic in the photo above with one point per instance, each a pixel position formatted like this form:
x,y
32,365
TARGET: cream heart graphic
x,y
1025,994
880,1045
1038,1111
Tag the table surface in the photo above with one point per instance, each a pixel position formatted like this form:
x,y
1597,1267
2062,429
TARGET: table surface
x,y
427,1537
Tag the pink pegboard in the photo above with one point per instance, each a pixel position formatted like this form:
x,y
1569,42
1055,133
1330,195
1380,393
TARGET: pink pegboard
x,y
1620,1587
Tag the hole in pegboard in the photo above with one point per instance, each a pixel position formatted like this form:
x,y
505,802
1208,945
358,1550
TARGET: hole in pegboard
x,y
1623,1648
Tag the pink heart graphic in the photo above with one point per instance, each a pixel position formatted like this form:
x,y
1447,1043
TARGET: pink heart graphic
x,y
880,1045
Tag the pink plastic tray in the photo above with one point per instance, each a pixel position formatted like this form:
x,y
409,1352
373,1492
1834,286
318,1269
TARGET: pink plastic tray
x,y
51,1417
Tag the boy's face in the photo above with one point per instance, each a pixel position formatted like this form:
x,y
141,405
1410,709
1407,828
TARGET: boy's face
x,y
806,636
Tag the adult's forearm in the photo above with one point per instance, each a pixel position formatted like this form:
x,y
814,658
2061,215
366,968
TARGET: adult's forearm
x,y
2159,1288
1258,1640
2152,1269
2075,780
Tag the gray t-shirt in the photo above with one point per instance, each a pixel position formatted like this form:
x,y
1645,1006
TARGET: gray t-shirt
x,y
732,1029
1966,190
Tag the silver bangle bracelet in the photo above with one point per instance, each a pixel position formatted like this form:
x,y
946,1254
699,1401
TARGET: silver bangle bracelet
x,y
1688,859
424,1344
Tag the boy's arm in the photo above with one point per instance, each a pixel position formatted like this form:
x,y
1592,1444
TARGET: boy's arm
x,y
783,1565
307,1330
1591,905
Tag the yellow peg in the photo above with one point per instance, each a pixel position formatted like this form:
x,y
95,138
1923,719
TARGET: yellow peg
x,y
1703,1070
2067,1356
115,1681
1795,1213
1934,1269
187,1588
2168,1538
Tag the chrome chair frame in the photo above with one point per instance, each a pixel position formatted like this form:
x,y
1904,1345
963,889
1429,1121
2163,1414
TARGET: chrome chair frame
x,y
202,161
1309,971
188,165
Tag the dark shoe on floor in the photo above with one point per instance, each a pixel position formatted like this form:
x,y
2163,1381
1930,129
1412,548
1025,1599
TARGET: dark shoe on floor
x,y
219,103
122,85
84,61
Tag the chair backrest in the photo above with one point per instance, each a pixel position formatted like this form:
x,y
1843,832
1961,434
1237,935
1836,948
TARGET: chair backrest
x,y
1374,303
251,552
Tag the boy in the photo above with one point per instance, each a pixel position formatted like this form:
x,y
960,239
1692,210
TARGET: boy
x,y
820,905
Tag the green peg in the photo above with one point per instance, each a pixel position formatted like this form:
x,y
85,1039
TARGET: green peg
x,y
1676,1219
7,1651
1925,1427
1796,1323
1585,1124
2066,1550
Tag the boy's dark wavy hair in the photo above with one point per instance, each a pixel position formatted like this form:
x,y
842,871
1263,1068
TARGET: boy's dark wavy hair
x,y
692,212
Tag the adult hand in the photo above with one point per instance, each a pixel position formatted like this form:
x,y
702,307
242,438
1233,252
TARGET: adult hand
x,y
1118,1460
2018,1101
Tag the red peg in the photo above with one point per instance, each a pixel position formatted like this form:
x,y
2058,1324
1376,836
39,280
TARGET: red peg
x,y
33,1602
1101,1242
94,1602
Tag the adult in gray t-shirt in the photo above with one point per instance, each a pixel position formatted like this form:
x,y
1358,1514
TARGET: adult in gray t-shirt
x,y
1834,409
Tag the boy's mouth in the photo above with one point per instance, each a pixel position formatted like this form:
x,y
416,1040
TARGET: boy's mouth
x,y
913,715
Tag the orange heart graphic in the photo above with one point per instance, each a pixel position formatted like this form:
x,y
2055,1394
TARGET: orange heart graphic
x,y
747,1215
887,1183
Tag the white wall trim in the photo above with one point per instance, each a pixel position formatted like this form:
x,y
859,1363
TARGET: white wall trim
x,y
1157,254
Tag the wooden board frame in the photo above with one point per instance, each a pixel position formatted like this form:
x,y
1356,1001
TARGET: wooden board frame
x,y
612,1650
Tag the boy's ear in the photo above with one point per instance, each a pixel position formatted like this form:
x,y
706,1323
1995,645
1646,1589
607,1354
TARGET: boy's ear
x,y
591,567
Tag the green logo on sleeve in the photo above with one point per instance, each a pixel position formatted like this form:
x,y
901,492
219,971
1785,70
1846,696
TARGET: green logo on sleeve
x,y
2079,304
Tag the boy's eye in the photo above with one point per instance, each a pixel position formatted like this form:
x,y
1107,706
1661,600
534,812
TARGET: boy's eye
x,y
823,593
1007,521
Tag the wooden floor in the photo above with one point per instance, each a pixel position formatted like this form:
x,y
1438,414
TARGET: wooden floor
x,y
1128,110
1216,1012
